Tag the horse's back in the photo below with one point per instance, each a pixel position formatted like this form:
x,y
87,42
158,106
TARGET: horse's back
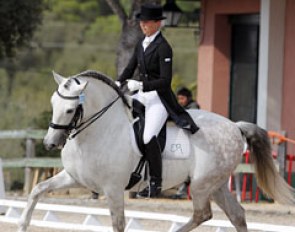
x,y
203,117
215,125
215,130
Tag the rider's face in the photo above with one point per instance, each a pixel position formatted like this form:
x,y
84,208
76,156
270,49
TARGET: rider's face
x,y
149,27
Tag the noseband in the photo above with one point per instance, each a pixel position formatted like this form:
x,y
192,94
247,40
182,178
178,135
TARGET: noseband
x,y
77,116
73,128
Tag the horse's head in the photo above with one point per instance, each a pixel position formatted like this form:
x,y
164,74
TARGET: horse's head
x,y
66,103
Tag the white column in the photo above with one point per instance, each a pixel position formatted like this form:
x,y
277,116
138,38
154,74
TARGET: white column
x,y
271,59
2,189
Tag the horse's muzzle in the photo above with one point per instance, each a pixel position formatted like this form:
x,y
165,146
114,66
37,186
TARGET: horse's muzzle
x,y
50,147
55,142
53,146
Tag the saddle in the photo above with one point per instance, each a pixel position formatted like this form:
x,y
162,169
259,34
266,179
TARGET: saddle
x,y
174,141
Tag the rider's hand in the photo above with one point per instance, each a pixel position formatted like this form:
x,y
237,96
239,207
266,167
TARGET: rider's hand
x,y
134,85
118,83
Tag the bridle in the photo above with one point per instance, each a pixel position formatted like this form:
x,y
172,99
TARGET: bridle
x,y
74,127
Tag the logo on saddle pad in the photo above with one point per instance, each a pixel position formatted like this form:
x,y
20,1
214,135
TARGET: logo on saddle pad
x,y
177,143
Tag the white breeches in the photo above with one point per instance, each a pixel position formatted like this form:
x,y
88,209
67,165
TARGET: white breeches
x,y
155,113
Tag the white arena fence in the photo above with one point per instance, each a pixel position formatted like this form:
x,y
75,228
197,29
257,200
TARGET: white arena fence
x,y
11,210
92,218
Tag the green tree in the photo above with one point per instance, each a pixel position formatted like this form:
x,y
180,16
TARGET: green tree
x,y
18,20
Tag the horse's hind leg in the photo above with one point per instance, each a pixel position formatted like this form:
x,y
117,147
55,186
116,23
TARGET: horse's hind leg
x,y
59,181
231,207
202,208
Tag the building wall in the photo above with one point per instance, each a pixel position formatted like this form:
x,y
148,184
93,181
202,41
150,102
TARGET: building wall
x,y
214,51
214,61
288,108
271,62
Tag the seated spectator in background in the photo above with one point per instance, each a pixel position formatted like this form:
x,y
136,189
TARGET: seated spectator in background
x,y
185,99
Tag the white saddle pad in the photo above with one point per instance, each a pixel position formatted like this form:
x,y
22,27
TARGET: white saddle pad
x,y
177,143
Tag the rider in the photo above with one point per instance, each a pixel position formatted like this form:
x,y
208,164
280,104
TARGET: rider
x,y
153,58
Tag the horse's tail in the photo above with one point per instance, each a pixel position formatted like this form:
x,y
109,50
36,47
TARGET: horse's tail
x,y
268,177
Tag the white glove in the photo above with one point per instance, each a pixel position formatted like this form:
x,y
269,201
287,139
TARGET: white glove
x,y
134,85
118,83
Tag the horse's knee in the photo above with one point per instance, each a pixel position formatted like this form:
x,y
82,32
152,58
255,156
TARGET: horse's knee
x,y
200,216
38,190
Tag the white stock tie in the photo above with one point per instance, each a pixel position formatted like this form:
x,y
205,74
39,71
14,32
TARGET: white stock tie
x,y
145,44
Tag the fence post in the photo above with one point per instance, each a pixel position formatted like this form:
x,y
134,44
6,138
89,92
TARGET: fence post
x,y
2,187
30,153
281,158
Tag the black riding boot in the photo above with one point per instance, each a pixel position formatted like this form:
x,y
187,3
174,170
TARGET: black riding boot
x,y
154,158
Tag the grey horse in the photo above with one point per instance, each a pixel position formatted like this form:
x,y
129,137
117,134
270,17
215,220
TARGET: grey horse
x,y
104,153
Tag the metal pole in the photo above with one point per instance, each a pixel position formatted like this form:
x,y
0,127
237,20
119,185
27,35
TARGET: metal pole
x,y
282,151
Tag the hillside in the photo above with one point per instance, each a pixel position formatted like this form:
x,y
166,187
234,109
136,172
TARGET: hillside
x,y
70,47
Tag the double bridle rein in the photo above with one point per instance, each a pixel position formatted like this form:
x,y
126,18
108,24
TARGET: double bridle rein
x,y
74,127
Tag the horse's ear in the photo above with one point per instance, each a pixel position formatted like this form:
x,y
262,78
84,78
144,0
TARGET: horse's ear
x,y
83,85
58,78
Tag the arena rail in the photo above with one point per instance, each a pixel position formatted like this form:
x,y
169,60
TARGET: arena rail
x,y
92,223
32,165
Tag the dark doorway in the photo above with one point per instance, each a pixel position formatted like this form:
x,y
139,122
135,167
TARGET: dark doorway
x,y
244,68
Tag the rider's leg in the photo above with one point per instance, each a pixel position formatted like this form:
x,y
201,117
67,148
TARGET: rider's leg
x,y
154,158
155,116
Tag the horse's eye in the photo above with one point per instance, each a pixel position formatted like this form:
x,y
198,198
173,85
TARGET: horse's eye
x,y
69,111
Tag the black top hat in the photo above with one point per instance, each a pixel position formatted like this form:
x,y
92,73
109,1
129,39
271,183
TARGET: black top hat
x,y
150,12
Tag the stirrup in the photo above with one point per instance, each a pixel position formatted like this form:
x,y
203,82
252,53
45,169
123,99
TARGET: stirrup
x,y
151,191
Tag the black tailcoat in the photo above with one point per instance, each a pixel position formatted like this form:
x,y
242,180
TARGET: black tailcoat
x,y
155,72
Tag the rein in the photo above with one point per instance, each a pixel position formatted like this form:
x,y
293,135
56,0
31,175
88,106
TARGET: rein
x,y
83,125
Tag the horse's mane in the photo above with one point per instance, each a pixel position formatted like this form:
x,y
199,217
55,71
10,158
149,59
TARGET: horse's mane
x,y
107,80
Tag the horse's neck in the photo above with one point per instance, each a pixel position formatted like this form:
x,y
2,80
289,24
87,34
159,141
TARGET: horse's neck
x,y
115,121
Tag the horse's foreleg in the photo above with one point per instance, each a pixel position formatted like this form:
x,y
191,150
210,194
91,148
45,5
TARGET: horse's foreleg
x,y
116,204
231,207
60,181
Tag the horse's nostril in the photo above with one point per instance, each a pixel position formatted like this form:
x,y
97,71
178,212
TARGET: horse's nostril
x,y
50,146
